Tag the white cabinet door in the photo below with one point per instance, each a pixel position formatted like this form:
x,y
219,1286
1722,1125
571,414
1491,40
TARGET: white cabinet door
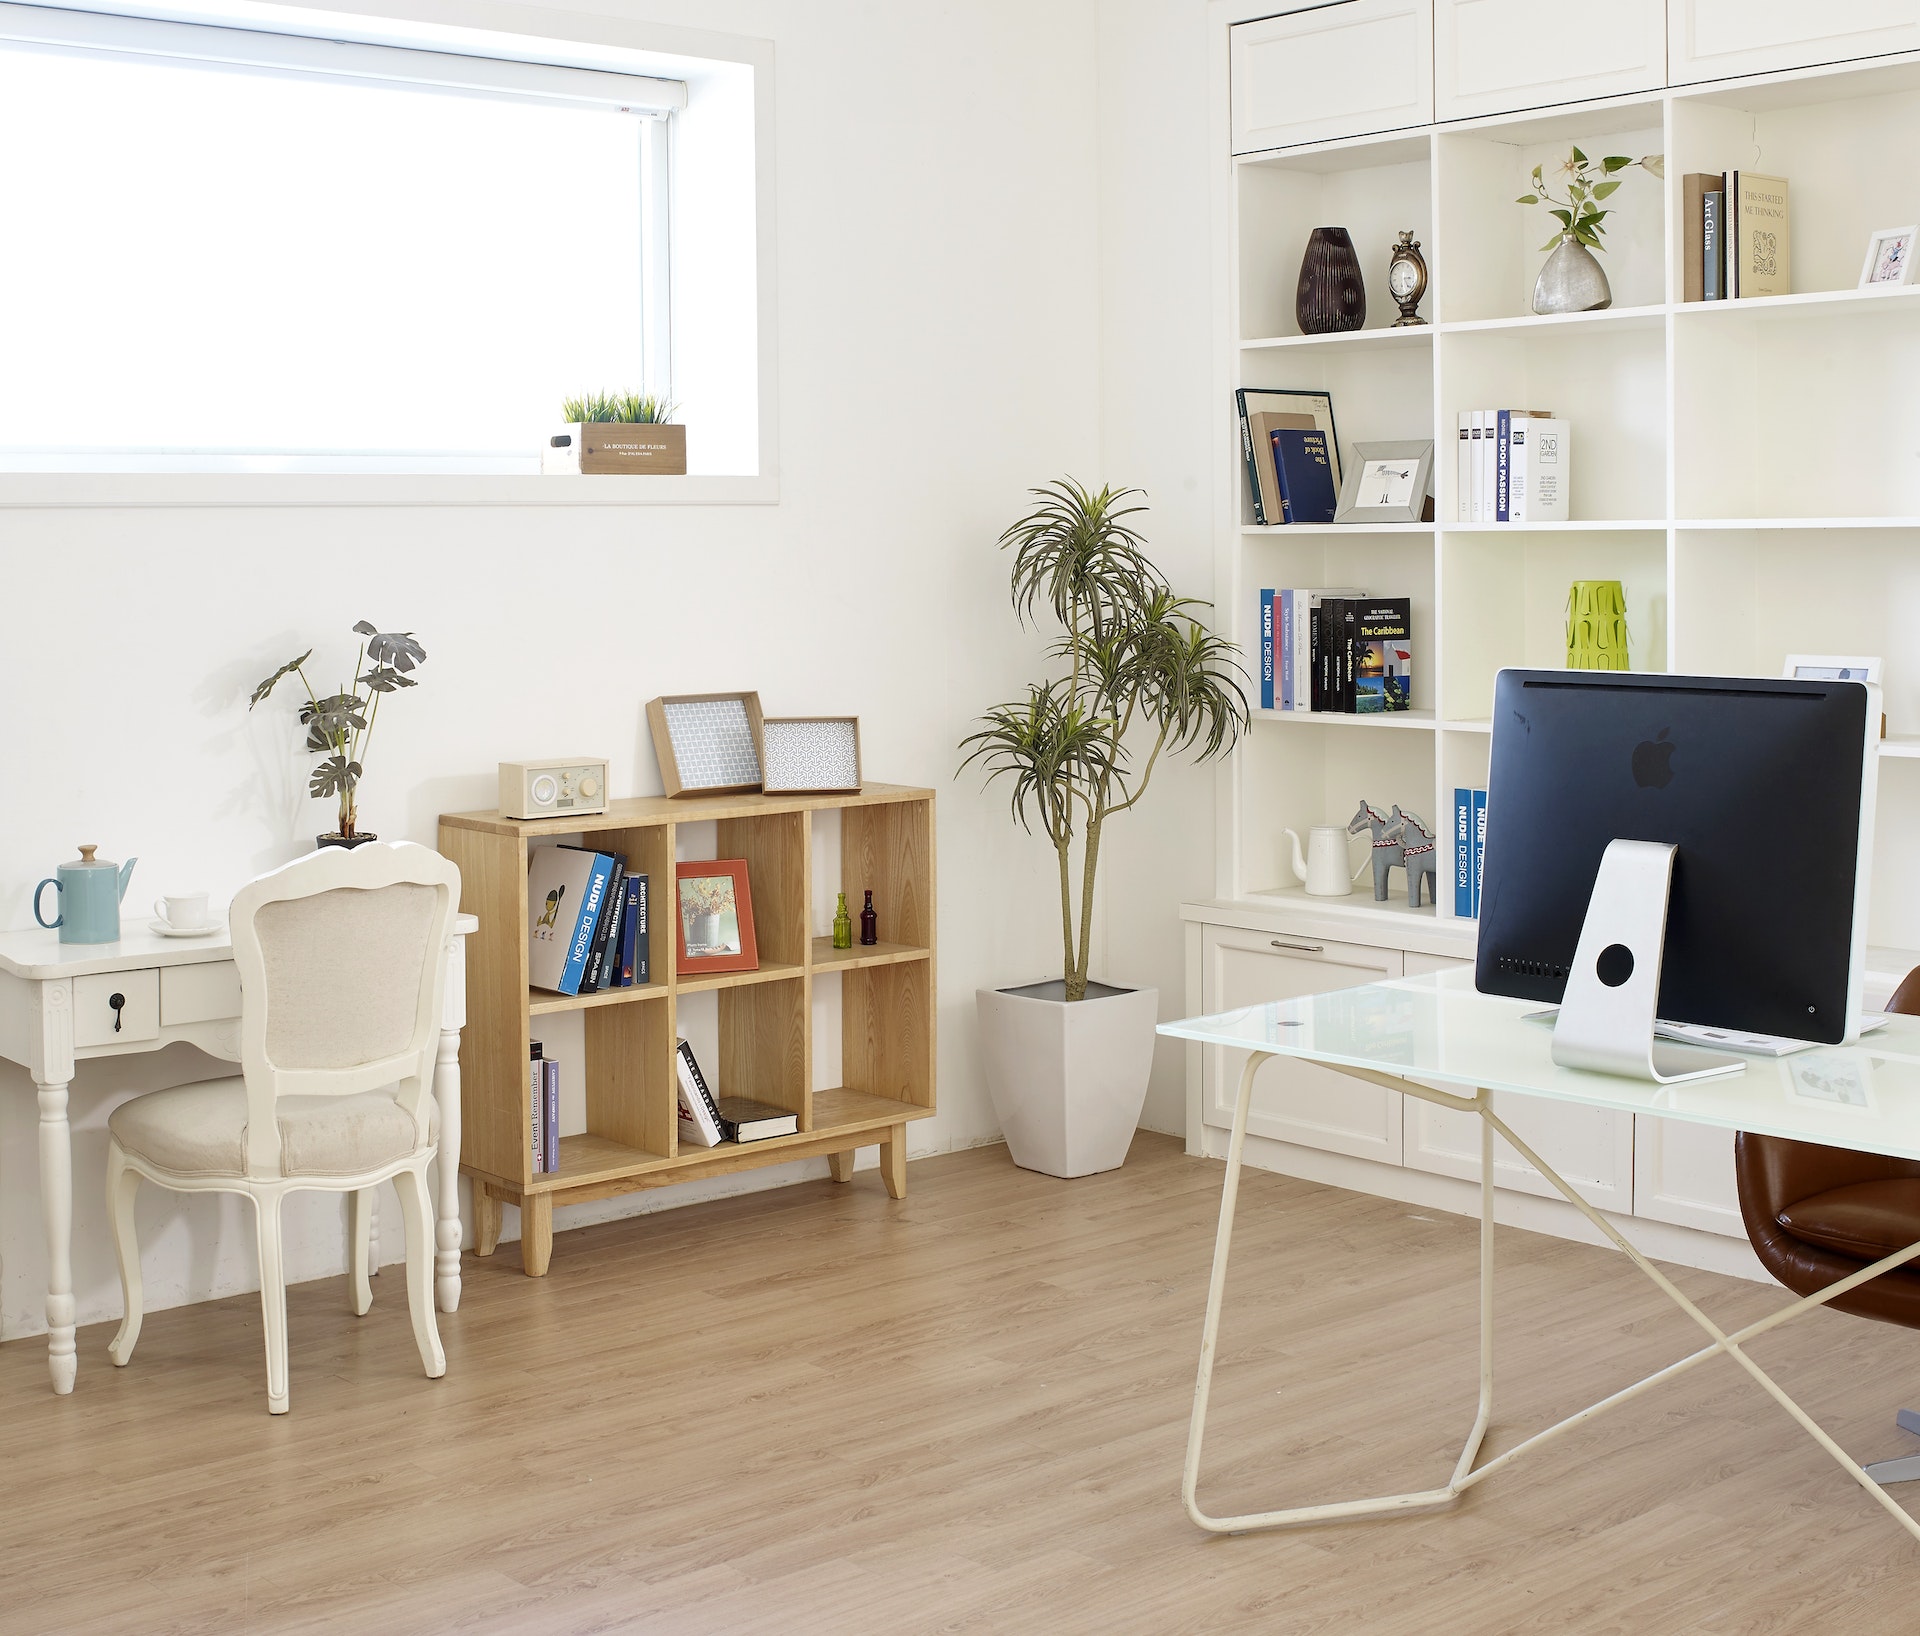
x,y
1715,39
1493,56
1684,1174
1297,1101
1332,71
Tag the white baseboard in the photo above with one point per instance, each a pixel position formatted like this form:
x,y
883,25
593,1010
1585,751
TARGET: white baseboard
x,y
1658,1240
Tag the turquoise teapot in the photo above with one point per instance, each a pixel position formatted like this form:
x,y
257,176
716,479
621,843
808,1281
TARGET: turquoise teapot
x,y
90,890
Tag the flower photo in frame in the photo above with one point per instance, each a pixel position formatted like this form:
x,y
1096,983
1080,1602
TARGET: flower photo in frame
x,y
713,917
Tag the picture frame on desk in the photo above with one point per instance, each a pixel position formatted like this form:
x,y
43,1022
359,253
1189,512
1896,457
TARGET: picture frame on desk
x,y
707,743
713,918
1831,667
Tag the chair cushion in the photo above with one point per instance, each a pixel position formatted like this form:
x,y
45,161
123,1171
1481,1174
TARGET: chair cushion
x,y
201,1130
1865,1220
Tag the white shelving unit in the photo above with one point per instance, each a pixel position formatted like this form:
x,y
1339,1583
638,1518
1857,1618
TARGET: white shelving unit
x,y
1747,470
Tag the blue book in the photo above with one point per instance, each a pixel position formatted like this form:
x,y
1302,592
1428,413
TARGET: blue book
x,y
565,887
1266,650
1287,701
633,933
1306,476
1502,432
1479,847
1463,853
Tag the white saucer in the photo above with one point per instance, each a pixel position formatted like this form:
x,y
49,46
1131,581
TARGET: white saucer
x,y
164,930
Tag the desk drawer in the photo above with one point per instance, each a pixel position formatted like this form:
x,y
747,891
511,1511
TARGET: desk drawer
x,y
94,1012
191,994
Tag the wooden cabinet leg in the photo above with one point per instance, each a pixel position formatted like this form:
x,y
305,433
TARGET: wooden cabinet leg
x,y
536,1233
486,1219
893,1161
840,1166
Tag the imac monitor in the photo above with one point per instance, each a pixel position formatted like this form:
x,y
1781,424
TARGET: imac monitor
x,y
1764,788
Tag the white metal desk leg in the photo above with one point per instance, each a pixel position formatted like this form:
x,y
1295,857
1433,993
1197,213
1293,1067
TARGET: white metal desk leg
x,y
446,1090
1485,1412
56,1197
1216,1286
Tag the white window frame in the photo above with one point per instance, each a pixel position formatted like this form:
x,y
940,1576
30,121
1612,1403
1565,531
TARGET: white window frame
x,y
698,80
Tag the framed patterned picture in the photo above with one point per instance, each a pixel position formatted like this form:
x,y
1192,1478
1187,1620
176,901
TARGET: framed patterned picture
x,y
810,755
713,917
708,743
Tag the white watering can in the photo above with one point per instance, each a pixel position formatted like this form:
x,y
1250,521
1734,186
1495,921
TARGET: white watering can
x,y
1323,867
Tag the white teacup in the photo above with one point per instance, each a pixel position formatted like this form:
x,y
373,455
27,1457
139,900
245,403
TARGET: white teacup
x,y
185,913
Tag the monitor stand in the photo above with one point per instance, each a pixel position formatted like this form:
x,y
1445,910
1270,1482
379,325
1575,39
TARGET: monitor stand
x,y
1606,1018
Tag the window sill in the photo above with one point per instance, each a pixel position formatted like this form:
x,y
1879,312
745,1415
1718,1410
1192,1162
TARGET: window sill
x,y
54,490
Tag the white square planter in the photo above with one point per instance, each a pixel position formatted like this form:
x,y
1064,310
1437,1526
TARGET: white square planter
x,y
1068,1081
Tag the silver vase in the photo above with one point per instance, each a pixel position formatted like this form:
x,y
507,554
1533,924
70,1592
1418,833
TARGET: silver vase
x,y
1571,281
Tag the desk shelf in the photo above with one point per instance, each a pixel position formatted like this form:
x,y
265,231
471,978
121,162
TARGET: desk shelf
x,y
885,1078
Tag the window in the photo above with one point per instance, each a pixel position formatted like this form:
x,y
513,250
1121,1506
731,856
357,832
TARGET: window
x,y
237,251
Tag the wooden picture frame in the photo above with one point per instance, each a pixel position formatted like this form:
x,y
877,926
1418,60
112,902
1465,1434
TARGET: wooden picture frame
x,y
706,751
716,890
810,755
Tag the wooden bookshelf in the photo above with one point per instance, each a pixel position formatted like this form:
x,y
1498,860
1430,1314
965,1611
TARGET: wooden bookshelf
x,y
886,1074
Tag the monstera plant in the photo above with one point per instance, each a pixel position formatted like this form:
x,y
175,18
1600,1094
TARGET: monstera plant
x,y
340,724
1138,680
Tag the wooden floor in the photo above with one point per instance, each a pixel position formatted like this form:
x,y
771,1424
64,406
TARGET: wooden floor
x,y
817,1410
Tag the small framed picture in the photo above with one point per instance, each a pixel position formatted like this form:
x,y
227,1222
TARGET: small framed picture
x,y
1386,483
713,917
810,755
708,743
1889,257
1831,667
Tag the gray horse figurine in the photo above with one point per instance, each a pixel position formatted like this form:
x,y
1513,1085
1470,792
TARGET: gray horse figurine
x,y
1386,848
1419,854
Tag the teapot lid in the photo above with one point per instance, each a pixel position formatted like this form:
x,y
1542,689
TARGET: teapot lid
x,y
87,860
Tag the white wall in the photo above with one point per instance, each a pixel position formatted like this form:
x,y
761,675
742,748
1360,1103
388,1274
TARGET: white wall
x,y
940,351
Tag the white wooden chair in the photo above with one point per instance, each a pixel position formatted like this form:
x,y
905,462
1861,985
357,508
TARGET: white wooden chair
x,y
341,967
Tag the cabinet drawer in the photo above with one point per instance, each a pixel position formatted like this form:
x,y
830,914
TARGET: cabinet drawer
x,y
1336,70
1495,56
94,1013
1295,1101
1716,39
191,994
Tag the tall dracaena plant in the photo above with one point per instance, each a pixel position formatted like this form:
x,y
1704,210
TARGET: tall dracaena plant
x,y
340,724
1144,679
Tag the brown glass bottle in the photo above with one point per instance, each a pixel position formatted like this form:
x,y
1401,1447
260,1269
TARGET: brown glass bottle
x,y
869,924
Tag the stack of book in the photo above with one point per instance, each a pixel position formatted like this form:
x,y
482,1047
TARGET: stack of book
x,y
543,1088
1514,467
586,921
1339,652
1292,454
1469,850
707,1120
1738,235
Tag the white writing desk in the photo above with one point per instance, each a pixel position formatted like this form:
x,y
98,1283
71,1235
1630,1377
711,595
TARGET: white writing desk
x,y
55,1010
1417,1034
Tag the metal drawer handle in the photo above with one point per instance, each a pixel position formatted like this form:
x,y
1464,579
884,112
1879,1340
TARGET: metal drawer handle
x,y
117,1002
1303,948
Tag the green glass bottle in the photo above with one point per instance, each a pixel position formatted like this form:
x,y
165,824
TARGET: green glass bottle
x,y
842,925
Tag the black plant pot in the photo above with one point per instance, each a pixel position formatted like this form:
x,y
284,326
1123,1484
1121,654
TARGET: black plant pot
x,y
359,837
1331,297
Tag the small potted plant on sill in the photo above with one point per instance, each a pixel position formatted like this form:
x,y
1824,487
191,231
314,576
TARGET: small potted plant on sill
x,y
340,725
617,433
1573,279
1068,1059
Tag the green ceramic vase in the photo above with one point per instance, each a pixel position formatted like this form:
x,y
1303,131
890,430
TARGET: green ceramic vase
x,y
1597,625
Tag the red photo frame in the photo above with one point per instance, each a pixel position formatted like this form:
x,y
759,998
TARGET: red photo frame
x,y
713,917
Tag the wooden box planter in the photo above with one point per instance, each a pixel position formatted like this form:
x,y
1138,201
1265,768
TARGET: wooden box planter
x,y
616,448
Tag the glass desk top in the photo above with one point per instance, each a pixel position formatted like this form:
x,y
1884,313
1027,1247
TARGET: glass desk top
x,y
1438,1030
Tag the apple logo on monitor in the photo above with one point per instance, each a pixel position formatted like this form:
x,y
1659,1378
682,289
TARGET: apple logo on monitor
x,y
1653,762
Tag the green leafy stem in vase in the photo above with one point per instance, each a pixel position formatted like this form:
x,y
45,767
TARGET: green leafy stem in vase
x,y
340,724
1588,182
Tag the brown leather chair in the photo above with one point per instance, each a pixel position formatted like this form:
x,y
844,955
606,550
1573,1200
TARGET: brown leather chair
x,y
1817,1214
